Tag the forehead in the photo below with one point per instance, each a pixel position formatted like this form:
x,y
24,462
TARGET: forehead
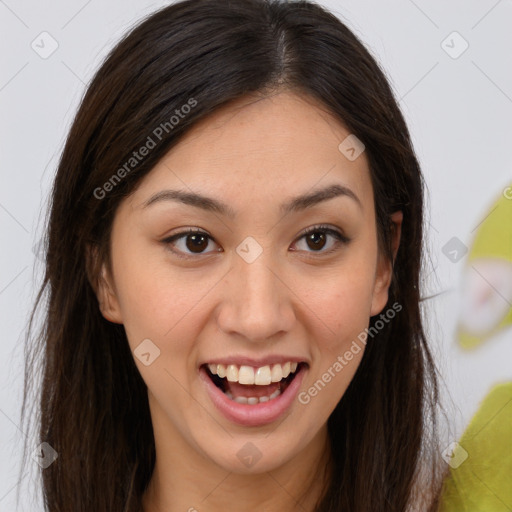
x,y
281,145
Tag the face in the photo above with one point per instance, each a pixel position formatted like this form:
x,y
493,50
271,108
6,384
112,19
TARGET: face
x,y
248,281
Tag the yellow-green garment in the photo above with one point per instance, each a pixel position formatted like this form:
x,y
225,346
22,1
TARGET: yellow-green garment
x,y
483,481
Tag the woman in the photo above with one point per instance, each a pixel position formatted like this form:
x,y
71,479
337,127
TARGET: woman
x,y
233,258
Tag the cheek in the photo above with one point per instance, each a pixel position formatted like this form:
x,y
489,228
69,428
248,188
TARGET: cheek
x,y
342,304
155,300
348,304
342,298
162,306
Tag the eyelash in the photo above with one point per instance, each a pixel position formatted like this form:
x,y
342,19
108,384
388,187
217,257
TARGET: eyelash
x,y
340,238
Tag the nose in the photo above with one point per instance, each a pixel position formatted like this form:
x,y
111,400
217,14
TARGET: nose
x,y
257,302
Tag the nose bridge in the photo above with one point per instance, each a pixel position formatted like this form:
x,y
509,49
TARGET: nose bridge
x,y
256,303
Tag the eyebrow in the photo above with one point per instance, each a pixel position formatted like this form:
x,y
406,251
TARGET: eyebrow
x,y
295,204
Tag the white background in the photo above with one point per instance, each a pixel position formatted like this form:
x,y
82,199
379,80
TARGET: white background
x,y
458,110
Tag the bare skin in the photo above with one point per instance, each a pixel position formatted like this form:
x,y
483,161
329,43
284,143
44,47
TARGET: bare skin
x,y
296,299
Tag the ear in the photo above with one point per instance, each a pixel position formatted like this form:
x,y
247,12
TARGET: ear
x,y
385,267
103,285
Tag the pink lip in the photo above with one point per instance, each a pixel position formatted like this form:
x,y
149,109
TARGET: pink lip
x,y
256,363
253,415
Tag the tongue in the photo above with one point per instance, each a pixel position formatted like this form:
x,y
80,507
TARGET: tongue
x,y
246,390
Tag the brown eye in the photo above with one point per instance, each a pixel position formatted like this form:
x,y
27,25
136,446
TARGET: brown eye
x,y
319,237
191,242
316,240
196,242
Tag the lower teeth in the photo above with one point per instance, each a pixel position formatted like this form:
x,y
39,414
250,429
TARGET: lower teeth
x,y
253,400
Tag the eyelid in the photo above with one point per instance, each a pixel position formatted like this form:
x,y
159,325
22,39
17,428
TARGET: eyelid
x,y
183,234
334,232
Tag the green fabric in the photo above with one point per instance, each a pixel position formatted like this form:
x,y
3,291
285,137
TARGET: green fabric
x,y
493,240
494,235
480,478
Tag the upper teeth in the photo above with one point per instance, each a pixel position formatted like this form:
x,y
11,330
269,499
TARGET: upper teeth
x,y
261,376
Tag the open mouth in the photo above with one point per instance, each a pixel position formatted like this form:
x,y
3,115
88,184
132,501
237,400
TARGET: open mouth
x,y
248,385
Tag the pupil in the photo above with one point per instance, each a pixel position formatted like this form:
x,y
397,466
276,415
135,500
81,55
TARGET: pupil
x,y
315,238
196,244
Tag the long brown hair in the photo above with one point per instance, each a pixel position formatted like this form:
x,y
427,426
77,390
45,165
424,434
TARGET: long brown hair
x,y
93,405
